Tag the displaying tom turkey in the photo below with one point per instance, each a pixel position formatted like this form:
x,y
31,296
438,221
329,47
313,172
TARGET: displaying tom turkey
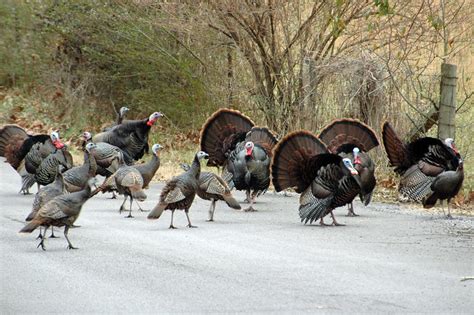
x,y
212,187
62,210
179,192
325,180
130,136
76,177
120,117
15,146
430,169
243,150
128,181
44,195
353,139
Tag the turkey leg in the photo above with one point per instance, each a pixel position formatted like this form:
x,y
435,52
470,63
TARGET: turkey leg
x,y
66,231
171,224
449,216
350,212
130,211
52,233
122,207
334,222
212,208
189,221
41,243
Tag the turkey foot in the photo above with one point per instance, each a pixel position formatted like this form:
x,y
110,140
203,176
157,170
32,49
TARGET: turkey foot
x,y
39,237
249,209
210,220
71,247
350,211
172,227
192,226
41,244
449,216
322,223
334,222
129,216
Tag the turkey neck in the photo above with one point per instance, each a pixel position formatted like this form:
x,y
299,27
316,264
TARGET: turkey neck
x,y
89,160
195,169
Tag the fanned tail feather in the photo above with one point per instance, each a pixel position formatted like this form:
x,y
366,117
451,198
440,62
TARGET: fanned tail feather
x,y
343,135
396,150
9,135
263,137
221,132
291,157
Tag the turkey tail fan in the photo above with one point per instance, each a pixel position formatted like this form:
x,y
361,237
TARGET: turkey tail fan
x,y
396,150
9,133
291,165
263,137
221,132
343,135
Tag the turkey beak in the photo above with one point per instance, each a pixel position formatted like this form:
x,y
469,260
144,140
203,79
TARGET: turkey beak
x,y
206,156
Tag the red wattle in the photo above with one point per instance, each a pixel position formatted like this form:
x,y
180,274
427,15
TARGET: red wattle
x,y
150,123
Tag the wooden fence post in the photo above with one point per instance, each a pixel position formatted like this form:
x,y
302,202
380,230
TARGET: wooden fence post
x,y
447,102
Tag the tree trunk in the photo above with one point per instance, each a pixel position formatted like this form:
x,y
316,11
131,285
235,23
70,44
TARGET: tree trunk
x,y
447,102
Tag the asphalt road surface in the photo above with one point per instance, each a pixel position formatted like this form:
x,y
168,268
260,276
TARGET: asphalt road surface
x,y
390,259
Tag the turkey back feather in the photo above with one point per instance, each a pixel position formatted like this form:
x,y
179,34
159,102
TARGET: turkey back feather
x,y
221,133
294,159
343,135
263,137
397,152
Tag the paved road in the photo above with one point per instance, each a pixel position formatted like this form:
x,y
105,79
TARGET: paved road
x,y
390,259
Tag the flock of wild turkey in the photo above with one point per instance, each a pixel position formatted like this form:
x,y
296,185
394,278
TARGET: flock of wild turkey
x,y
328,171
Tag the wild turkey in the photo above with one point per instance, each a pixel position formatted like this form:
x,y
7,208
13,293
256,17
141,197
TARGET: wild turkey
x,y
179,192
244,151
16,143
352,139
149,169
44,170
430,169
76,177
120,116
130,136
212,187
128,181
62,210
324,180
106,156
46,194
